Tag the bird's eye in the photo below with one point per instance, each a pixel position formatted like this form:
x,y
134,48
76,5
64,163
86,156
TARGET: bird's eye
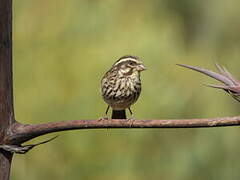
x,y
131,63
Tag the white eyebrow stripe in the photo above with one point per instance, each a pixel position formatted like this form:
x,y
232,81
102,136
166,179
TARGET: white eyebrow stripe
x,y
127,59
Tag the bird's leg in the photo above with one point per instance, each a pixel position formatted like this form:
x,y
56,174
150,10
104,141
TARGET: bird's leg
x,y
104,117
107,110
131,119
130,111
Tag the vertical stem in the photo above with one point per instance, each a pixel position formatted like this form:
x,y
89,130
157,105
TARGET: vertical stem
x,y
6,87
5,164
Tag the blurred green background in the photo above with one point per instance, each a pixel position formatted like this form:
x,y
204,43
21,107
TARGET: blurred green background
x,y
63,48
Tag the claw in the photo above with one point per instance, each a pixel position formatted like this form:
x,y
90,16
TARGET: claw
x,y
131,120
103,118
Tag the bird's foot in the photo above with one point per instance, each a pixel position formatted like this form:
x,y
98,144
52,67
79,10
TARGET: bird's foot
x,y
131,120
103,118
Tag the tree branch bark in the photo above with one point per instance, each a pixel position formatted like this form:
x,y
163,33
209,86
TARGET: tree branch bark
x,y
6,89
20,133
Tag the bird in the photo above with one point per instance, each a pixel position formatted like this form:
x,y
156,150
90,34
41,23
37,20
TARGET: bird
x,y
231,84
121,85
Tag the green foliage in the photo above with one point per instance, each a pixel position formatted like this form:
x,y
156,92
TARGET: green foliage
x,y
62,49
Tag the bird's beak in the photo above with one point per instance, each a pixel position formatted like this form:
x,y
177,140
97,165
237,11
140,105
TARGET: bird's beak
x,y
141,67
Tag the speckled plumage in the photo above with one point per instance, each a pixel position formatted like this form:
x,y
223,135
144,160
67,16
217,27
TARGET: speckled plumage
x,y
121,85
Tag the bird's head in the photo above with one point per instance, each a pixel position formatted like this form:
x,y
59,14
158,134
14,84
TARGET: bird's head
x,y
128,65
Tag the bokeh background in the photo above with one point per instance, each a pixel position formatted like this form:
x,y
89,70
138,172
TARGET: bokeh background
x,y
63,48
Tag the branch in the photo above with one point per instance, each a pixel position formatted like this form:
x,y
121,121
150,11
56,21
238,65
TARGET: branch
x,y
23,149
20,133
6,88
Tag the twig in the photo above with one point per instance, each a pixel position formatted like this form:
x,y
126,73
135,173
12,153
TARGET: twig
x,y
19,149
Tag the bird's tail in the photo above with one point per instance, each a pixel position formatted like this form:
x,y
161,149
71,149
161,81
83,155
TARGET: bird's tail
x,y
119,114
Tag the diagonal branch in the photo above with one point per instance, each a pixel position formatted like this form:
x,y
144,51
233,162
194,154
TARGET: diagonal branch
x,y
20,133
19,149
